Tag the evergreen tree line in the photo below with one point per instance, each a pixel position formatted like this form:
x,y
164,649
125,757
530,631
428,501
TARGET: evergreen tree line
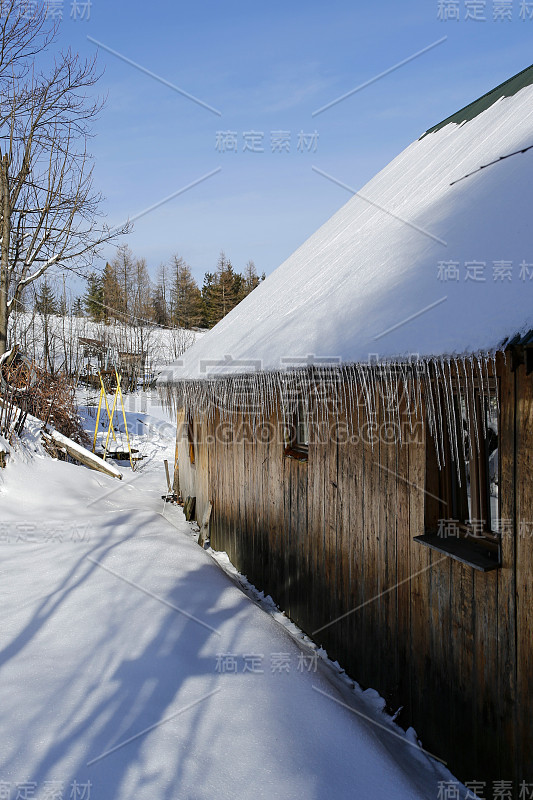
x,y
125,293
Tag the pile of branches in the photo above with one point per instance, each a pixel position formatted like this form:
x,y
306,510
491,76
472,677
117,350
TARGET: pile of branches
x,y
27,389
15,387
12,417
52,400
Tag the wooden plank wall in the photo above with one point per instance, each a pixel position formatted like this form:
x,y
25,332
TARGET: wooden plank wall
x,y
524,569
186,471
331,540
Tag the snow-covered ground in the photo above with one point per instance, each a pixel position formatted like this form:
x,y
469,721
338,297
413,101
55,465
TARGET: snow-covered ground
x,y
134,664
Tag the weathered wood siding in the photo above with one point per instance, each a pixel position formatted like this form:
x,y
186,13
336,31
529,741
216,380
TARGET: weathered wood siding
x,y
331,539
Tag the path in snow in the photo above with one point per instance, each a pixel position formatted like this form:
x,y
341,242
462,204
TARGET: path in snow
x,y
132,666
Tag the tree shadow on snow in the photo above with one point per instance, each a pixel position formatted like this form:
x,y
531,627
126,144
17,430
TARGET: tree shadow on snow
x,y
117,697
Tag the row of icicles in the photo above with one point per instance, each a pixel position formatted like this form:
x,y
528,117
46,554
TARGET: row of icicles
x,y
358,394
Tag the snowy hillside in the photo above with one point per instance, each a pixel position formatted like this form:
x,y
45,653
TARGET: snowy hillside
x,y
162,345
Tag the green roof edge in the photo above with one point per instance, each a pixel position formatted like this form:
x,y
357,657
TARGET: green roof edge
x,y
508,88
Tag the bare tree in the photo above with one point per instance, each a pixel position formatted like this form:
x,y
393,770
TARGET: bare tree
x,y
22,36
49,212
123,266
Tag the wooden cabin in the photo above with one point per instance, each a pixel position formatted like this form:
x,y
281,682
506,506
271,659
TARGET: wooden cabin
x,y
132,367
363,431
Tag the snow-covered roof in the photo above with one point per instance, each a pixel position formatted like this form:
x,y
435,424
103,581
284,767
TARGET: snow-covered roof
x,y
434,256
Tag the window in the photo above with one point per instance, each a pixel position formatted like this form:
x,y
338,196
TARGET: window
x,y
461,500
478,504
297,432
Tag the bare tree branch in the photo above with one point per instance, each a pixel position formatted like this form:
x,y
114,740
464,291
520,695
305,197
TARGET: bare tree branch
x,y
49,211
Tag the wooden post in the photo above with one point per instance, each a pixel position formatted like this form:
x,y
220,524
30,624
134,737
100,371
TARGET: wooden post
x,y
168,477
204,527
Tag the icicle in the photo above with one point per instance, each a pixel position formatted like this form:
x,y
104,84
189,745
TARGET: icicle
x,y
482,394
352,379
417,388
374,401
495,374
489,382
402,399
366,394
440,395
382,393
423,376
394,381
361,397
406,396
460,392
386,398
453,416
410,392
473,421
446,402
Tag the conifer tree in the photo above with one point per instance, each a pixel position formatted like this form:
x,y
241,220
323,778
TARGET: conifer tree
x,y
187,309
94,298
221,291
159,306
46,306
45,300
210,312
112,300
77,307
224,289
63,305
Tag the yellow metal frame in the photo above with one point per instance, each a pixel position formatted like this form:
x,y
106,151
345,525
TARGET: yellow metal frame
x,y
118,393
103,396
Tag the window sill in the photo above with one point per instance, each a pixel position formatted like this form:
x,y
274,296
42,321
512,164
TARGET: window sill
x,y
298,455
467,552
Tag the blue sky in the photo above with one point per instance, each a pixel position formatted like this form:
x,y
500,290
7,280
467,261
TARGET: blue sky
x,y
267,68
